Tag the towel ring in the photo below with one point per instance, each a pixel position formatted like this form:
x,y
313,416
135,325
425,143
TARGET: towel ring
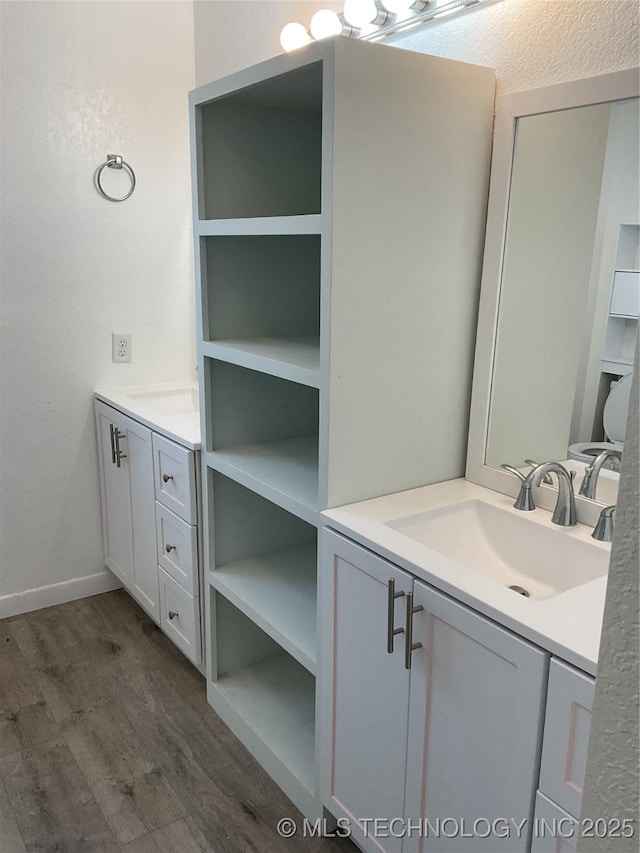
x,y
115,161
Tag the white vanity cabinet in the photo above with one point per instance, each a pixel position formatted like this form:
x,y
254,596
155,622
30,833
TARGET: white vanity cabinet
x,y
149,523
396,739
126,475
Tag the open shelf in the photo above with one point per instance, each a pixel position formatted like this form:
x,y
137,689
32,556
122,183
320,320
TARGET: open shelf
x,y
296,359
278,592
267,699
284,472
264,561
261,148
263,432
619,345
261,287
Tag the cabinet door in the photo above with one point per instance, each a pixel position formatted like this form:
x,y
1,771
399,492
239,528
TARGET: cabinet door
x,y
117,532
566,735
144,579
475,718
364,691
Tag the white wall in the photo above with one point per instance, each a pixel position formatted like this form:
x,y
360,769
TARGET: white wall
x,y
79,80
537,42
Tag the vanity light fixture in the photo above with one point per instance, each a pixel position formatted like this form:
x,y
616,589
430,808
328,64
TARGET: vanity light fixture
x,y
293,36
372,20
325,24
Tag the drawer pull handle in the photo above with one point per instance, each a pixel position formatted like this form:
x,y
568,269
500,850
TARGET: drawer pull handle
x,y
112,434
392,631
119,454
410,646
167,477
169,548
173,614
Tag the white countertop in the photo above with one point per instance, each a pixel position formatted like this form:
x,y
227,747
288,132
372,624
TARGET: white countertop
x,y
567,624
182,427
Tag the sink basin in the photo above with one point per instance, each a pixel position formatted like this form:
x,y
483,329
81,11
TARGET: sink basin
x,y
508,548
178,402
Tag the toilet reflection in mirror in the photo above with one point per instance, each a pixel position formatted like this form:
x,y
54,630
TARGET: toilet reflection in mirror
x,y
569,298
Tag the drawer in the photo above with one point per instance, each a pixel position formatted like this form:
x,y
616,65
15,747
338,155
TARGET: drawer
x,y
566,736
554,829
180,617
625,298
175,478
177,548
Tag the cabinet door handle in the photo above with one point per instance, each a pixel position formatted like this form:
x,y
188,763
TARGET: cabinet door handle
x,y
112,434
391,629
119,454
173,614
167,477
169,548
410,646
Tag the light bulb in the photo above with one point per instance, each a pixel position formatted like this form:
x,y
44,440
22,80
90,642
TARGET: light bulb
x,y
294,36
359,13
397,7
325,24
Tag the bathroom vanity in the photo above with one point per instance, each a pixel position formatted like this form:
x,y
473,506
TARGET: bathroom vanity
x,y
445,694
148,453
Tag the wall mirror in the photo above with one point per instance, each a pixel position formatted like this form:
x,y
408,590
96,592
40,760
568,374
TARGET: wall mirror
x,y
560,296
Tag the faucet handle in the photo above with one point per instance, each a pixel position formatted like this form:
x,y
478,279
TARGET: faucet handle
x,y
524,501
513,470
603,531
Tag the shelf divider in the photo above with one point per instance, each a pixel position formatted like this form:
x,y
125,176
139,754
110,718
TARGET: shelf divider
x,y
312,223
294,358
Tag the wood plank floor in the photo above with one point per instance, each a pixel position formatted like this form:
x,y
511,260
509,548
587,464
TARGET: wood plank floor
x,y
108,745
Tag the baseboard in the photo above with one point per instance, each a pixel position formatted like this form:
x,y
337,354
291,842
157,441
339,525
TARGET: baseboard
x,y
57,593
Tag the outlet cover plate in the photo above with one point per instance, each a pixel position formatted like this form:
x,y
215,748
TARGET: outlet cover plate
x,y
120,348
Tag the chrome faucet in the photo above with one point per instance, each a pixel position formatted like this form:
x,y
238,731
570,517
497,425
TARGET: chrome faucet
x,y
603,531
590,479
524,501
565,511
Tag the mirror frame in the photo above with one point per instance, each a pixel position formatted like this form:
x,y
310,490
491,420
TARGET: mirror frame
x,y
617,86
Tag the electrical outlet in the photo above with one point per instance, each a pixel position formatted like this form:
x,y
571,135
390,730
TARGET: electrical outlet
x,y
120,347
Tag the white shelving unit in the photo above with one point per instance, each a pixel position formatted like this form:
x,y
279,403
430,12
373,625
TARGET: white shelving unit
x,y
624,306
337,302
